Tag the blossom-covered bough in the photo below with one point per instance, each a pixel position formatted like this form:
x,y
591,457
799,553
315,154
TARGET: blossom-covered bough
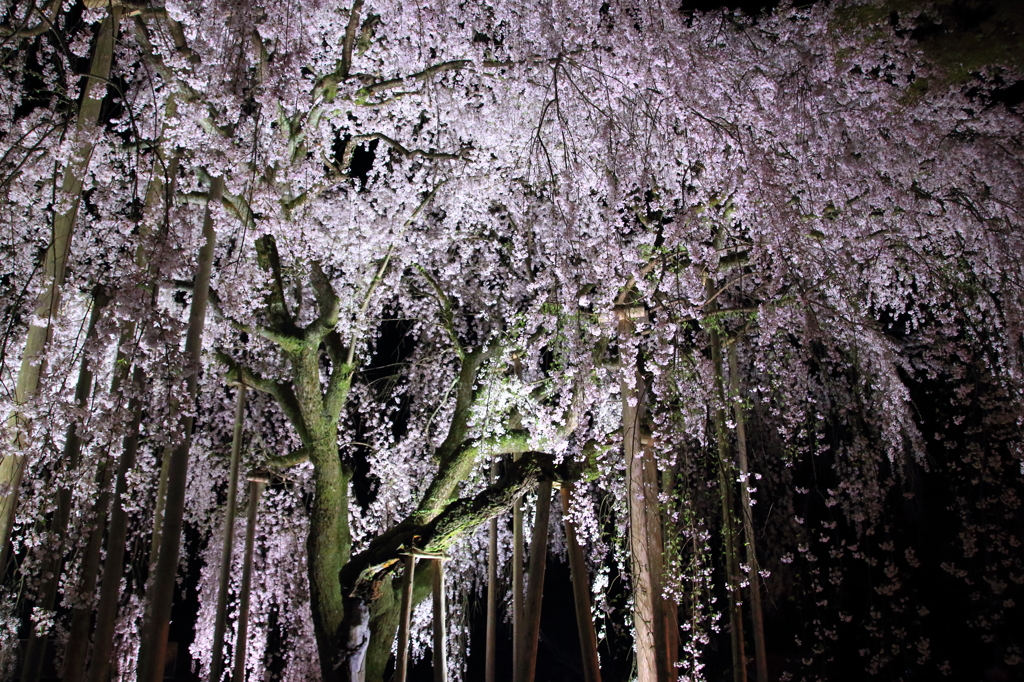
x,y
752,285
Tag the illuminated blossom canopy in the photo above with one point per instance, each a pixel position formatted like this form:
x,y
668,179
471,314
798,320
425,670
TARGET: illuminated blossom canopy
x,y
753,281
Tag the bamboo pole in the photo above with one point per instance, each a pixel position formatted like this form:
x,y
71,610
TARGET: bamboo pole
x,y
645,537
581,593
113,565
518,584
51,567
217,651
117,529
12,464
256,482
160,594
725,469
405,620
440,634
535,588
490,662
756,612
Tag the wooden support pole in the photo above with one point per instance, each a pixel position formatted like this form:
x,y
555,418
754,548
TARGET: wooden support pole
x,y
535,589
581,593
405,620
490,662
518,584
440,634
256,482
726,477
217,660
160,594
756,611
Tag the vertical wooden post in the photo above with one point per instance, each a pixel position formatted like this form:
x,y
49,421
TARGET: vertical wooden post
x,y
13,460
490,662
256,482
35,652
160,595
756,613
725,483
440,629
645,536
535,588
518,586
217,661
405,619
581,593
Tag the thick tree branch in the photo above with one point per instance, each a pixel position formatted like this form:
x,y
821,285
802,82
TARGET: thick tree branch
x,y
293,458
458,518
327,301
353,142
350,38
429,72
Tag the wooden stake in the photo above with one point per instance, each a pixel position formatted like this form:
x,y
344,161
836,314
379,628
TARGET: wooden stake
x,y
217,661
405,619
581,593
518,585
256,483
725,483
440,638
535,589
756,612
490,662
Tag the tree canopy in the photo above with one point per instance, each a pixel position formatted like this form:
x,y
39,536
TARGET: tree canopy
x,y
749,286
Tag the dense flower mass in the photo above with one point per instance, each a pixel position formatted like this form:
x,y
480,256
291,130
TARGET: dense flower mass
x,y
748,289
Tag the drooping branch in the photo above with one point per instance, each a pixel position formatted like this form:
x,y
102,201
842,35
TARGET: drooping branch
x,y
280,391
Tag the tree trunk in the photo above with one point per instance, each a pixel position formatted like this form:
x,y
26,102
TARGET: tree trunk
x,y
217,660
440,630
256,483
160,594
645,536
404,622
756,613
581,593
12,465
51,566
535,589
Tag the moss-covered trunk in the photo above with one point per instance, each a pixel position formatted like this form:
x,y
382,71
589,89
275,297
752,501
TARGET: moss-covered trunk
x,y
329,543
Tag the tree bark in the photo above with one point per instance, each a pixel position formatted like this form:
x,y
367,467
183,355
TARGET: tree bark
x,y
12,465
217,653
756,613
256,483
581,593
535,589
160,594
